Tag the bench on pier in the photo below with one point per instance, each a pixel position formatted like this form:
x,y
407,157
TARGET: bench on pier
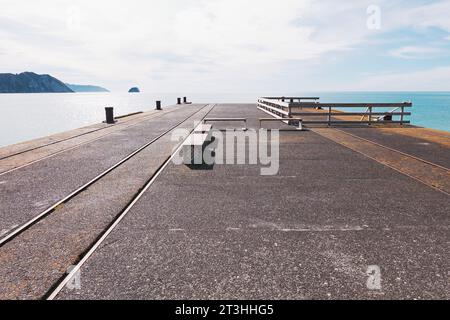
x,y
194,146
203,128
288,121
227,120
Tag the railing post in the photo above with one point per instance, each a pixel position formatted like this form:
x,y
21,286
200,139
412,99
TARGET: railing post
x,y
370,115
401,116
329,116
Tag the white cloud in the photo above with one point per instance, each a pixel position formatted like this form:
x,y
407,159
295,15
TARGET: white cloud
x,y
191,45
435,79
413,52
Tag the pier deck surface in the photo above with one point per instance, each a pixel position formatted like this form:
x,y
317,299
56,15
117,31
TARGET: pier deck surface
x,y
428,144
26,153
53,244
309,232
225,232
32,189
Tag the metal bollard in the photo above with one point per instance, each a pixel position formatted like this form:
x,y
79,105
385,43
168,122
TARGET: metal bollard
x,y
158,105
178,100
109,115
184,100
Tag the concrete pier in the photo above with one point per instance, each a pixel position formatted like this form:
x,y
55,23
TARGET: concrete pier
x,y
344,199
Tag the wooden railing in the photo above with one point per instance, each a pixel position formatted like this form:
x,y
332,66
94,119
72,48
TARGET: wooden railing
x,y
332,113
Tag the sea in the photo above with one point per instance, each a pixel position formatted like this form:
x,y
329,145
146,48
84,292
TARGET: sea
x,y
29,116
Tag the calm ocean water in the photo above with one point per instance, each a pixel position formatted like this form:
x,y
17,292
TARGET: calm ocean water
x,y
29,116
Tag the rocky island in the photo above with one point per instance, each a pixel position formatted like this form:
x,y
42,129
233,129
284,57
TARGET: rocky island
x,y
134,90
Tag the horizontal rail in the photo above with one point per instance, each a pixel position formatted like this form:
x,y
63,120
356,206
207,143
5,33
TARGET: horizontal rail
x,y
224,119
274,103
291,98
351,122
280,119
352,105
350,114
326,122
286,113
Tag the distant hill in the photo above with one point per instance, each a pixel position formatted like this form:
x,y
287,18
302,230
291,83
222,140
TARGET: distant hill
x,y
29,82
86,88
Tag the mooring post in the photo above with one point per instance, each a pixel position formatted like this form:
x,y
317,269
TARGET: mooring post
x,y
184,100
158,105
109,115
178,100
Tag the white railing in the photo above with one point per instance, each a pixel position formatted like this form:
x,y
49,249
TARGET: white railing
x,y
331,113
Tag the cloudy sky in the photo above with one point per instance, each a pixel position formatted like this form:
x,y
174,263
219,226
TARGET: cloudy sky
x,y
231,45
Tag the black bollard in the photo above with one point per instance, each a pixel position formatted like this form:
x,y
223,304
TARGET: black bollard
x,y
158,105
109,115
178,100
184,100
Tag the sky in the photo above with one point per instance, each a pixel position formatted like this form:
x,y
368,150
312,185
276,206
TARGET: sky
x,y
231,45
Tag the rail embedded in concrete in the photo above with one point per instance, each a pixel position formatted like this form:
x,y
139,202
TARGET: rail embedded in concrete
x,y
332,113
330,158
32,221
51,295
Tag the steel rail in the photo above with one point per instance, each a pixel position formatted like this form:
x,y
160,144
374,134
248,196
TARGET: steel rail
x,y
65,280
394,150
17,231
150,116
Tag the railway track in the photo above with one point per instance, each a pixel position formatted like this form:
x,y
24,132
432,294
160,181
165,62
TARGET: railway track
x,y
394,150
28,224
53,292
140,120
424,171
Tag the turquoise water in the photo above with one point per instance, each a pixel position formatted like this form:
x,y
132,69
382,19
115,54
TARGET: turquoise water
x,y
29,116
